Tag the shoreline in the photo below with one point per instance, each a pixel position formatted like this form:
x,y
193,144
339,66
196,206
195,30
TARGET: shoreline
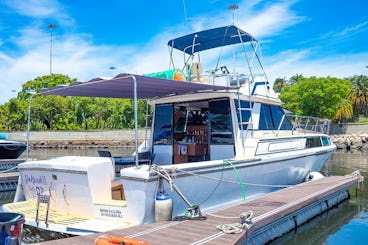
x,y
125,138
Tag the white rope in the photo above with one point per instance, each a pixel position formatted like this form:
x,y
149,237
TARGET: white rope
x,y
234,228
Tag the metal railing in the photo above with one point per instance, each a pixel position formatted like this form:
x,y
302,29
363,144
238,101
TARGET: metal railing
x,y
310,124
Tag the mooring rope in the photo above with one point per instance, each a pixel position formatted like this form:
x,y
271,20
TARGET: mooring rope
x,y
244,224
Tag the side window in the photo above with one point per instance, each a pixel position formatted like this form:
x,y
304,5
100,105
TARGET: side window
x,y
326,141
245,114
271,116
313,142
265,121
277,114
162,134
220,122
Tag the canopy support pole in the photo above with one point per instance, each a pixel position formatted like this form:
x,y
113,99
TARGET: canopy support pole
x,y
135,120
28,126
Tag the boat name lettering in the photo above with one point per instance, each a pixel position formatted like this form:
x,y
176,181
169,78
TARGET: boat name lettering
x,y
35,180
111,213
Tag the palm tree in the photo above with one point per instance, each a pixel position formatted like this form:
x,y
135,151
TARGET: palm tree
x,y
295,79
344,110
358,95
279,84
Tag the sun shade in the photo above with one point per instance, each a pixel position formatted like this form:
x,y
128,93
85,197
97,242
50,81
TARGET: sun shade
x,y
209,39
122,86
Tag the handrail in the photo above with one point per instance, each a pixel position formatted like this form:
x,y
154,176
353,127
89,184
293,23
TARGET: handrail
x,y
310,124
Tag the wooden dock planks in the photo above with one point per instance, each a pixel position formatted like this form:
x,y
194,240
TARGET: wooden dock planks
x,y
267,209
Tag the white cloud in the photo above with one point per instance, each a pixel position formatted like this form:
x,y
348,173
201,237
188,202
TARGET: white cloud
x,y
76,56
294,62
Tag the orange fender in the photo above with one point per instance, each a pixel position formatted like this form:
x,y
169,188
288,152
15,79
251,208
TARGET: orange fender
x,y
111,240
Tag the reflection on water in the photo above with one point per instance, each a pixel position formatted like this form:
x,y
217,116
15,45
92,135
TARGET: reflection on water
x,y
348,222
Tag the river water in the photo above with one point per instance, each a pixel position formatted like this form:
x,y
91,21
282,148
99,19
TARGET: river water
x,y
345,224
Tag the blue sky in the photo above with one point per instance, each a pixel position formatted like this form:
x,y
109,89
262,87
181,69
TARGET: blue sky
x,y
309,37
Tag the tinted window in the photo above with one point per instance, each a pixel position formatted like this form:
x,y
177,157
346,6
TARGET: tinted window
x,y
265,120
325,141
270,118
313,142
163,125
277,114
220,121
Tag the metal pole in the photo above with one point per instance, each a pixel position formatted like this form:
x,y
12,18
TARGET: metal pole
x,y
135,121
51,27
28,125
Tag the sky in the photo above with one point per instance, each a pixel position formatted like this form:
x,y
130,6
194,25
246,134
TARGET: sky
x,y
308,37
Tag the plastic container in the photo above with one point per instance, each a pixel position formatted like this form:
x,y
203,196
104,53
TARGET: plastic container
x,y
11,228
2,136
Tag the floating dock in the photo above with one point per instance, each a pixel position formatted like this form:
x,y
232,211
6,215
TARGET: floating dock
x,y
274,214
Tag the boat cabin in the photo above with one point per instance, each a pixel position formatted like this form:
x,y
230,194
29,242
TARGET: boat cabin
x,y
210,128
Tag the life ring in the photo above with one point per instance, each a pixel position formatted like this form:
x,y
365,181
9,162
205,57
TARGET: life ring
x,y
111,240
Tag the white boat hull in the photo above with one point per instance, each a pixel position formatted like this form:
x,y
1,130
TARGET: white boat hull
x,y
211,184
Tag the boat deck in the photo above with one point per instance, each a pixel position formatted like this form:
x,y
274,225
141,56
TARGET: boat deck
x,y
274,214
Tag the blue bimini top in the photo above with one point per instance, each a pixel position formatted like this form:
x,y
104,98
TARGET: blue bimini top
x,y
212,38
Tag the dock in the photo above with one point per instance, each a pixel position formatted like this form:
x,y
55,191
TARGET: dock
x,y
274,214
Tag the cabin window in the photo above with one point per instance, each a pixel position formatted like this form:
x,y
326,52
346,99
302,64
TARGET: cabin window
x,y
220,122
245,114
326,141
271,117
163,125
313,142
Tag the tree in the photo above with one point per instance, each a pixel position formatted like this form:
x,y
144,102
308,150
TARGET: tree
x,y
318,97
279,84
47,81
344,110
358,95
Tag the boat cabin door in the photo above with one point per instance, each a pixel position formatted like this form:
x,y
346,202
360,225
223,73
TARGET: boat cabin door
x,y
163,134
221,130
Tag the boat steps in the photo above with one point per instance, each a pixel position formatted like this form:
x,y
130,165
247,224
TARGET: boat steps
x,y
8,181
274,215
6,164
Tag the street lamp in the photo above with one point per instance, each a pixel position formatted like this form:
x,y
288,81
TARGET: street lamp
x,y
51,28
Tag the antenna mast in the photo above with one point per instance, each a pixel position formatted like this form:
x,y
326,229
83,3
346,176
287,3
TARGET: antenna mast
x,y
233,7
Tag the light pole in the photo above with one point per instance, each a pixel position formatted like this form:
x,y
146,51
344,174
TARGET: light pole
x,y
51,28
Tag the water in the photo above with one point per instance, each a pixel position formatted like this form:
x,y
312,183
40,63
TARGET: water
x,y
348,222
345,224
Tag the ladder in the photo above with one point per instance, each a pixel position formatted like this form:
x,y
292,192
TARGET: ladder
x,y
240,110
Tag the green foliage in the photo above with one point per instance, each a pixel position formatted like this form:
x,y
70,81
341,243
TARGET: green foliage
x,y
358,95
47,81
60,113
318,97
